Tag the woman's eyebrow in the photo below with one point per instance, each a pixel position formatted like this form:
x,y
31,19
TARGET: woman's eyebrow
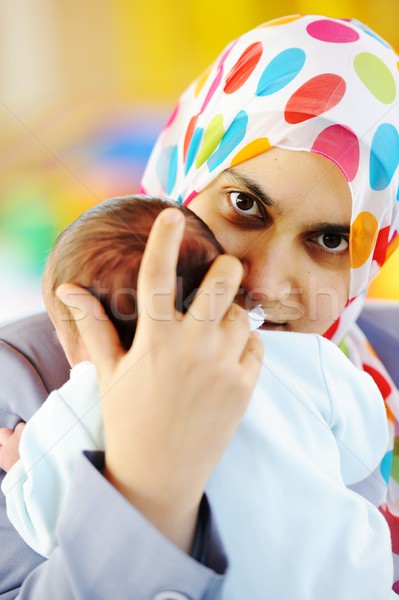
x,y
334,228
252,186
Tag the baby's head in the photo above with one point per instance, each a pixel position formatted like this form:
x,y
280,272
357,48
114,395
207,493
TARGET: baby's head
x,y
102,250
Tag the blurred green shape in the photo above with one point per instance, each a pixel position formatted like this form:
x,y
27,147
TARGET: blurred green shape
x,y
27,228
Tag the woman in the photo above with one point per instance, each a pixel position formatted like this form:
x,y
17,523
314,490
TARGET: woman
x,y
322,87
302,83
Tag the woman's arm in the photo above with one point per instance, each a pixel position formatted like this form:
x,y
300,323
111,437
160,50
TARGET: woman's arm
x,y
107,549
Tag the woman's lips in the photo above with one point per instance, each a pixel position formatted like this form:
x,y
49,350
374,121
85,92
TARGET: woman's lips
x,y
274,326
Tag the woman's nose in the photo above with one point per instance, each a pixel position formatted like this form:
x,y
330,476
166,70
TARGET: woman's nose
x,y
270,273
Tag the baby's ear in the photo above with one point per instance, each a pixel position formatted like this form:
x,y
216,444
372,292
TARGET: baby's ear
x,y
81,351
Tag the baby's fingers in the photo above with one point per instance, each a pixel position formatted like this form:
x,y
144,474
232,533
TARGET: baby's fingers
x,y
5,435
19,429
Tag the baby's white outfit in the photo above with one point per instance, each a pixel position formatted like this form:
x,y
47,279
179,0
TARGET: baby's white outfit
x,y
314,426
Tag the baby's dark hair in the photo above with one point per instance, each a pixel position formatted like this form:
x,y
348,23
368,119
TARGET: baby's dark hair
x,y
102,250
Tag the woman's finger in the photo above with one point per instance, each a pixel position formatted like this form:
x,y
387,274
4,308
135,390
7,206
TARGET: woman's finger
x,y
217,291
235,327
156,293
96,330
252,358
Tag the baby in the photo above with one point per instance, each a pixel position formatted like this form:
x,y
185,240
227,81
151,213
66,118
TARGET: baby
x,y
301,443
100,251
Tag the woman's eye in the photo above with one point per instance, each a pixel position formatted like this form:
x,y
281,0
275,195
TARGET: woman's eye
x,y
245,203
332,242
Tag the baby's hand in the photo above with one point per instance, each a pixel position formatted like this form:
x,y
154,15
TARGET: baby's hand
x,y
9,444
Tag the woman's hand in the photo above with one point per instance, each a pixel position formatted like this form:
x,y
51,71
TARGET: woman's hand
x,y
173,401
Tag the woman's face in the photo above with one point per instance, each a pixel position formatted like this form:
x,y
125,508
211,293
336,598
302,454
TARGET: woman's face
x,y
286,216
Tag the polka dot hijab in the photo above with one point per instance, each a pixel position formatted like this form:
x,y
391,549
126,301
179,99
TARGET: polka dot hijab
x,y
323,85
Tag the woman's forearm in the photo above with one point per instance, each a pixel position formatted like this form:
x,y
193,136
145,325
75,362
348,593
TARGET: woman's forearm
x,y
108,549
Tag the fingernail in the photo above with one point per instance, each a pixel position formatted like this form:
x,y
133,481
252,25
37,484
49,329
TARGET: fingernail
x,y
172,216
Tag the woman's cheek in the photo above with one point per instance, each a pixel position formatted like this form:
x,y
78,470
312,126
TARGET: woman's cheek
x,y
327,298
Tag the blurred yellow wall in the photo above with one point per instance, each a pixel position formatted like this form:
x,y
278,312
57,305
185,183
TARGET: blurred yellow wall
x,y
186,36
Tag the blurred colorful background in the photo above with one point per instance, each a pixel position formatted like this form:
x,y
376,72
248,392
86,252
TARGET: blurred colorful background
x,y
86,87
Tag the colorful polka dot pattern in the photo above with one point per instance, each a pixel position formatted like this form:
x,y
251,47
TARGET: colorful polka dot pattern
x,y
364,233
376,76
243,68
252,149
233,136
334,32
303,82
211,140
384,156
280,71
341,145
386,466
315,97
381,246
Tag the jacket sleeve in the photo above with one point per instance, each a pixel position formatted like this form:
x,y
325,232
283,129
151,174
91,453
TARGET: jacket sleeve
x,y
22,392
107,549
32,364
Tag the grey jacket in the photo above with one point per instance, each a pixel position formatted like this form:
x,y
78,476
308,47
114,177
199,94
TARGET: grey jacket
x,y
107,548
